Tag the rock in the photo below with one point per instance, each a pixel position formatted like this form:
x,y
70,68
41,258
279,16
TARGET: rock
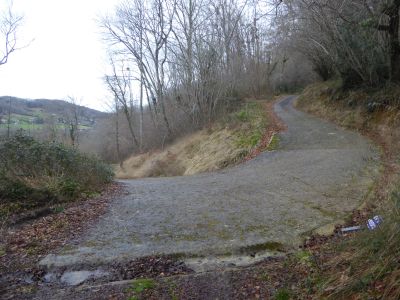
x,y
78,277
75,278
50,277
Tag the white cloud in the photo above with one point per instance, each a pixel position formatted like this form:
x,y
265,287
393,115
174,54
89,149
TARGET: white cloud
x,y
66,56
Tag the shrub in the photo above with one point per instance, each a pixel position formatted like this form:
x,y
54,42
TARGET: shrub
x,y
34,174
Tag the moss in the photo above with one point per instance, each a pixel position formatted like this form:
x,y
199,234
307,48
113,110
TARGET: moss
x,y
188,237
59,209
180,255
67,249
135,239
27,289
325,213
139,286
305,257
274,144
268,246
256,228
224,235
172,287
283,294
91,244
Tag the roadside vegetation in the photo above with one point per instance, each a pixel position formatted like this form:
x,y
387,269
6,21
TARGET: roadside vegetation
x,y
365,265
226,142
36,174
360,265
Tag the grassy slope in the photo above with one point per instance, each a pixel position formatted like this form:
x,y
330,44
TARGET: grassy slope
x,y
366,266
225,143
42,113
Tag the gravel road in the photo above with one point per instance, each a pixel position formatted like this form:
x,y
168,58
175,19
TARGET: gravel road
x,y
318,175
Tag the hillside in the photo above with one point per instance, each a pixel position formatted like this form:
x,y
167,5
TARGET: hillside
x,y
227,142
35,114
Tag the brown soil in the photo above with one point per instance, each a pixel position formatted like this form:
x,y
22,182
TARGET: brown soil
x,y
24,245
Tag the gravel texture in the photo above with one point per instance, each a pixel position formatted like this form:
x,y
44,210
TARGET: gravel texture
x,y
318,175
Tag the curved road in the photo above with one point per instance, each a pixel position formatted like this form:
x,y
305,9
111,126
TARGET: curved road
x,y
318,175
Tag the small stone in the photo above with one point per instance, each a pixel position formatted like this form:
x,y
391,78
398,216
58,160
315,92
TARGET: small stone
x,y
78,277
50,277
75,278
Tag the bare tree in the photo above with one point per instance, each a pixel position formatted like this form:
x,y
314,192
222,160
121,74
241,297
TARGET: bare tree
x,y
9,24
192,59
72,121
119,85
9,117
117,142
153,25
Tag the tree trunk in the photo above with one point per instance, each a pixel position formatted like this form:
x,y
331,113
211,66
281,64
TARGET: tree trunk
x,y
121,163
394,22
141,115
392,30
128,119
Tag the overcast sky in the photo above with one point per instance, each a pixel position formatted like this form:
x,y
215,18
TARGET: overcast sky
x,y
66,56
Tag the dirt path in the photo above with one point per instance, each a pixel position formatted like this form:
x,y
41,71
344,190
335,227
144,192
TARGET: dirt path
x,y
318,175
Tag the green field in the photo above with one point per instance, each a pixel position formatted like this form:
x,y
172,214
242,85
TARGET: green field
x,y
37,121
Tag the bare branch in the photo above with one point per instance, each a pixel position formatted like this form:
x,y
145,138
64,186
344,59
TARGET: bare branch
x,y
9,24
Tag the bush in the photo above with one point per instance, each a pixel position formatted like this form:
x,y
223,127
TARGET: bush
x,y
34,174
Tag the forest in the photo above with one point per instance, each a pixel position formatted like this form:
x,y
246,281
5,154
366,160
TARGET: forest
x,y
175,65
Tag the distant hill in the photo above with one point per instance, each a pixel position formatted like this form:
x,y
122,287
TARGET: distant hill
x,y
34,114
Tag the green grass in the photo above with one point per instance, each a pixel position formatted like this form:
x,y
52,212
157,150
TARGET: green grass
x,y
282,294
251,122
274,144
27,122
249,141
268,246
138,286
142,284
